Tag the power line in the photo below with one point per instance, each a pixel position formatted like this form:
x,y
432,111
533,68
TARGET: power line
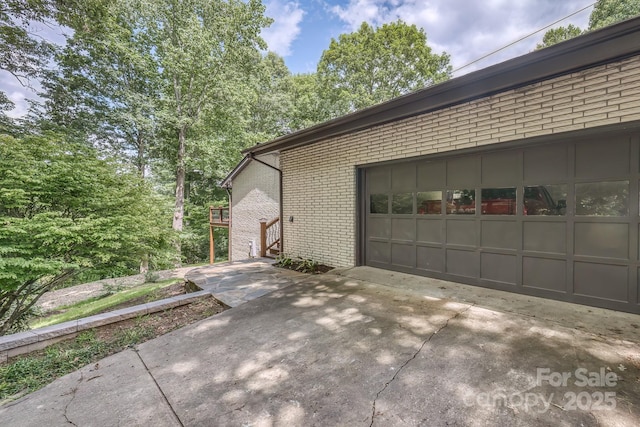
x,y
522,38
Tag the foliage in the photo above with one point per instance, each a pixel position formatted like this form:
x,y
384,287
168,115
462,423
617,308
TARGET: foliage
x,y
605,13
609,12
373,65
22,54
300,264
62,210
557,35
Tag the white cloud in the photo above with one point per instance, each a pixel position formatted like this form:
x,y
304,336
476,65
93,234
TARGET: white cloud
x,y
468,29
287,16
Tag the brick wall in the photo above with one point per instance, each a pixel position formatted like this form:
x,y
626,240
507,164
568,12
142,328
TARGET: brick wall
x,y
255,195
319,184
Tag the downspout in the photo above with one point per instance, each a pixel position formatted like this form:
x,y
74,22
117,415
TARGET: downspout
x,y
252,157
230,225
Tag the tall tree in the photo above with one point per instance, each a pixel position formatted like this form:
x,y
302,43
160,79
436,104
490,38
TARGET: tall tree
x,y
373,65
203,49
106,84
64,210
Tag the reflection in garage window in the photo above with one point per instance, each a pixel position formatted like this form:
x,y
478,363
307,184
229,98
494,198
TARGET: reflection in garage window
x,y
498,201
545,199
379,203
429,202
402,203
461,202
603,198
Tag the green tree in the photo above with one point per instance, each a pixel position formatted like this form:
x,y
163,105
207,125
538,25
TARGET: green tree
x,y
22,54
63,210
605,13
204,50
557,35
106,83
609,12
373,65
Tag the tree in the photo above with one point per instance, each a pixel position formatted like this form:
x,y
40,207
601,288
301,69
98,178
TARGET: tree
x,y
106,85
22,54
609,12
557,35
203,51
63,210
605,13
371,65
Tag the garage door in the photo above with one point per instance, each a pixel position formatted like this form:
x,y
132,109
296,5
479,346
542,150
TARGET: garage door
x,y
558,220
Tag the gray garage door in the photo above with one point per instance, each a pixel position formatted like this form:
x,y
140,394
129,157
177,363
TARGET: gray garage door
x,y
558,220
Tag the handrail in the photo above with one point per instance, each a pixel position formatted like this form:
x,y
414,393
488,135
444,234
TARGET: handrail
x,y
269,235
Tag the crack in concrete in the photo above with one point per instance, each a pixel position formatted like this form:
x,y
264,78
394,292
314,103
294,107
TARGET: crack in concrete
x,y
73,396
395,375
175,415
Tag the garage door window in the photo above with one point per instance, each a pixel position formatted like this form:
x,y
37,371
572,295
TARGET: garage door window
x,y
545,199
379,204
498,201
402,203
429,202
602,198
461,202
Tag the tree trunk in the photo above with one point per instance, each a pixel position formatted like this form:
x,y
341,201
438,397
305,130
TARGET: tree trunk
x,y
178,212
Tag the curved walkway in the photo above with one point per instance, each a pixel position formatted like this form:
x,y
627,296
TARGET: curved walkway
x,y
235,283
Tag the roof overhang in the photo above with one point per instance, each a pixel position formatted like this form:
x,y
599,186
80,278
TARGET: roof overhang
x,y
603,46
228,181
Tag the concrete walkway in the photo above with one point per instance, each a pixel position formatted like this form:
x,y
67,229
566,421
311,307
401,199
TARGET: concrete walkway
x,y
336,349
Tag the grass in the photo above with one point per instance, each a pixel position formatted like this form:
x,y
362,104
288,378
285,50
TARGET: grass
x,y
30,373
95,305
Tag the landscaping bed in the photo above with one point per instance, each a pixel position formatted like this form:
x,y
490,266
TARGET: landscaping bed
x,y
27,373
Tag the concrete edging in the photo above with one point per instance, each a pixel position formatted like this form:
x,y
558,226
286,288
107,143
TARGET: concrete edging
x,y
37,339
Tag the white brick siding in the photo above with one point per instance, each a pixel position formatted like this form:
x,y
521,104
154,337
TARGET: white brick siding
x,y
255,196
319,180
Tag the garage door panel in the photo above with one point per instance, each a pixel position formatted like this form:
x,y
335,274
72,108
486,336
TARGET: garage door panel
x,y
403,255
403,229
498,267
597,160
540,273
379,180
432,175
545,237
379,252
463,171
461,232
545,164
603,281
500,234
500,168
380,228
431,259
462,263
602,240
403,178
429,230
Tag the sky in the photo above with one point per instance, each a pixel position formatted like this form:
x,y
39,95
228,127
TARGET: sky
x,y
465,29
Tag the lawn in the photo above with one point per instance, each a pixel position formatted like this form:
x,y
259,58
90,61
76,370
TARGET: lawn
x,y
100,304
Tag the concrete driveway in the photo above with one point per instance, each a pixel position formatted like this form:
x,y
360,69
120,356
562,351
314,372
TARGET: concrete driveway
x,y
365,347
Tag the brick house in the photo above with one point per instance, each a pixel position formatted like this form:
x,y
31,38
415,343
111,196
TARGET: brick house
x,y
523,176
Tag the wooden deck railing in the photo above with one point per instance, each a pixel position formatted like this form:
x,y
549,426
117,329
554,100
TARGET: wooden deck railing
x,y
269,236
218,217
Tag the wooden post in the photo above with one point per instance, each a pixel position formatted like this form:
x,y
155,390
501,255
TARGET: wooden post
x,y
212,255
263,239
